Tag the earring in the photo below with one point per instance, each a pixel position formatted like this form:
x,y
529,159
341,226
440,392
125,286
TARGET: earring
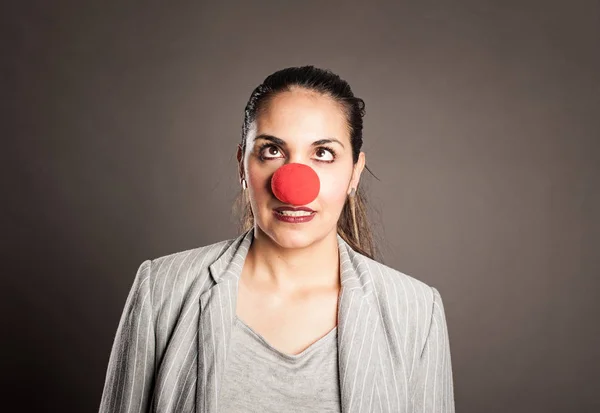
x,y
353,211
244,184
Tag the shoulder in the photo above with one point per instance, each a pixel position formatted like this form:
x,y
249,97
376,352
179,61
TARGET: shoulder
x,y
178,273
191,260
391,284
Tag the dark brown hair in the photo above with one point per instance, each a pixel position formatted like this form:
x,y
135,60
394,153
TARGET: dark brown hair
x,y
329,84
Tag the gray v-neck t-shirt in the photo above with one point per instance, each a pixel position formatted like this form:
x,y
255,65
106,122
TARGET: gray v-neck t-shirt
x,y
259,378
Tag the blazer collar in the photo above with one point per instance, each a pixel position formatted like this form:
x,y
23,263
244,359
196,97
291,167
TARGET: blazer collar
x,y
357,321
229,265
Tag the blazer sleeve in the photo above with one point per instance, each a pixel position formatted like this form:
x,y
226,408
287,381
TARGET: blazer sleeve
x,y
130,373
433,389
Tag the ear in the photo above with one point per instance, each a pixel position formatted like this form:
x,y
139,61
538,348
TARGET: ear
x,y
240,159
356,172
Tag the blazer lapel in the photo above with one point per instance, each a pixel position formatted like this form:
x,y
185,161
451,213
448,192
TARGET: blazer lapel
x,y
358,333
217,314
358,324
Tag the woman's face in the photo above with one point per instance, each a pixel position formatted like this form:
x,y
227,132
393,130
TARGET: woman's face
x,y
289,130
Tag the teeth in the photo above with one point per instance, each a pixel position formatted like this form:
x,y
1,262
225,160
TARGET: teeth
x,y
295,213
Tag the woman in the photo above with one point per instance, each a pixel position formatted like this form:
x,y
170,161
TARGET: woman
x,y
294,315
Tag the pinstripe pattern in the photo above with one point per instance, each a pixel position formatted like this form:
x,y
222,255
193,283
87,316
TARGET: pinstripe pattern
x,y
171,344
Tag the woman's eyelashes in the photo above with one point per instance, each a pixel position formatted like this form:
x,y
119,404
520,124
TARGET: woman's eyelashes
x,y
273,152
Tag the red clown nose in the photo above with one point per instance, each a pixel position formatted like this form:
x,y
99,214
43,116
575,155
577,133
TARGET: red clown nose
x,y
295,184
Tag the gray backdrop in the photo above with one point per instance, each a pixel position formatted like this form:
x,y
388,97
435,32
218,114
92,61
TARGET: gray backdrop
x,y
120,123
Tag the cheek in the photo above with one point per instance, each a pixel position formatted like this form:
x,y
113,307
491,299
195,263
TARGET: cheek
x,y
333,190
259,180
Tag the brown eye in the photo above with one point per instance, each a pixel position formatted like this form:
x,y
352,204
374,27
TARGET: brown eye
x,y
270,152
324,152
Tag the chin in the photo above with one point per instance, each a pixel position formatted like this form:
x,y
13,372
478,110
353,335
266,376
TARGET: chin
x,y
292,235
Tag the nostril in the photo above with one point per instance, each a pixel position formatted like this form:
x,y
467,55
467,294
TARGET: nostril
x,y
295,184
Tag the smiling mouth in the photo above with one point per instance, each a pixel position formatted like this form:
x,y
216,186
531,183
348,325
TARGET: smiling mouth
x,y
295,213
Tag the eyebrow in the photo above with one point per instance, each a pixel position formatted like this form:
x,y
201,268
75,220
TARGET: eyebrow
x,y
281,142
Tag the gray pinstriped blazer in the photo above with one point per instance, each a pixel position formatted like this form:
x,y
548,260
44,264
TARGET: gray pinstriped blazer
x,y
171,344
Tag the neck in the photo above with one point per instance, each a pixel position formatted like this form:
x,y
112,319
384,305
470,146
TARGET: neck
x,y
291,269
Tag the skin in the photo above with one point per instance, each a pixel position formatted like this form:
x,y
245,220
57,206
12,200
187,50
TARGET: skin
x,y
290,282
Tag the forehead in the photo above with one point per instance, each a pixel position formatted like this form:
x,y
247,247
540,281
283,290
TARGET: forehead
x,y
303,114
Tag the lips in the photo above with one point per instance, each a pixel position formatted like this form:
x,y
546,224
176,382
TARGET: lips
x,y
288,208
293,215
